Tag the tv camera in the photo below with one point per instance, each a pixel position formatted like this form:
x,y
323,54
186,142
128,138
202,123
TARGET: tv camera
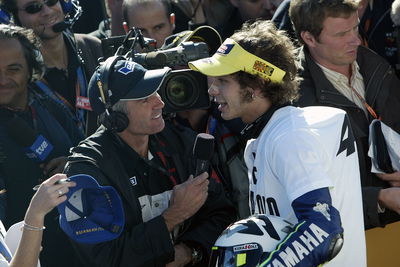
x,y
182,89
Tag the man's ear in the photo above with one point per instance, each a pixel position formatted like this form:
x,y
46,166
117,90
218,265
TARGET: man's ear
x,y
308,38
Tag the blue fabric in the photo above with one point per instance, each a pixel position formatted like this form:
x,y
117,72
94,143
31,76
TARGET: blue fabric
x,y
319,224
19,174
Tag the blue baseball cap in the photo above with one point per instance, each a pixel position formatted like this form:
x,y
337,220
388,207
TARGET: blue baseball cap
x,y
92,213
125,80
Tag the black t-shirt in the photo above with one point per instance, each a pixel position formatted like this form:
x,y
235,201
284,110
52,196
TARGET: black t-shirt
x,y
64,82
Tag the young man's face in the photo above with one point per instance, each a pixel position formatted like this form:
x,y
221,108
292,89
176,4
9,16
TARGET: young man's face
x,y
253,9
151,18
227,92
338,42
42,21
14,74
145,115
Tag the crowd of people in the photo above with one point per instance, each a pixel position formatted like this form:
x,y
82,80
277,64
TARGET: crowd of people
x,y
293,86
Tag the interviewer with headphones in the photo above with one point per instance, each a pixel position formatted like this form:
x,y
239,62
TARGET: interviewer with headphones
x,y
171,219
70,59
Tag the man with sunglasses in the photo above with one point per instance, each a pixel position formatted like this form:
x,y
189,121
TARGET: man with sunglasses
x,y
69,58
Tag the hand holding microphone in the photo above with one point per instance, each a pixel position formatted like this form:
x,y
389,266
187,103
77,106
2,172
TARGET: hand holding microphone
x,y
203,151
187,198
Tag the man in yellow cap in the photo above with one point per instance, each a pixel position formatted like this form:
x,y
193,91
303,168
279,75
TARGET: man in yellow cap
x,y
302,162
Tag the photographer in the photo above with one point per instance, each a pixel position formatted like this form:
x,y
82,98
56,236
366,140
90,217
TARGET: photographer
x,y
171,218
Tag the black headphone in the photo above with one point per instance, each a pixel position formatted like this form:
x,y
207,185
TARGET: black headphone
x,y
113,120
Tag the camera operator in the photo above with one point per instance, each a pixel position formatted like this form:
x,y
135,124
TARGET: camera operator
x,y
172,219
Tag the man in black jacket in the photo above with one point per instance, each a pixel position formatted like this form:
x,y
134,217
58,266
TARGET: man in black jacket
x,y
172,219
338,72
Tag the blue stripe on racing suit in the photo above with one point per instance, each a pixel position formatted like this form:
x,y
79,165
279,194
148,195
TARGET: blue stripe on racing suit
x,y
317,238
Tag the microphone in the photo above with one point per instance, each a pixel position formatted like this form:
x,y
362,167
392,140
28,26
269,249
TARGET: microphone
x,y
36,147
203,150
61,26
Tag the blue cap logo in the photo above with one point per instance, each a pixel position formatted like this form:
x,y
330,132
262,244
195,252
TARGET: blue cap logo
x,y
127,68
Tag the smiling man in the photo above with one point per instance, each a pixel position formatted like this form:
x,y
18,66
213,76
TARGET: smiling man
x,y
25,115
171,219
338,72
70,59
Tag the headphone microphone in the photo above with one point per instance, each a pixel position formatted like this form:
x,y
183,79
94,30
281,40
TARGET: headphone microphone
x,y
73,11
115,121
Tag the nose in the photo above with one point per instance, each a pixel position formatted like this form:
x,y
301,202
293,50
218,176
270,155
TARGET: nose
x,y
213,90
355,38
159,103
45,9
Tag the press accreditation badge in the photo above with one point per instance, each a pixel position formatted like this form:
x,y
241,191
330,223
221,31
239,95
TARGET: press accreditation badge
x,y
82,102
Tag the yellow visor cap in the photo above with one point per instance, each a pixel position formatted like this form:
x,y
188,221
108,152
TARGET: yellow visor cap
x,y
231,57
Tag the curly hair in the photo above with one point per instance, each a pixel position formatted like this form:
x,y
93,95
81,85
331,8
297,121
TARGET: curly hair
x,y
261,38
30,44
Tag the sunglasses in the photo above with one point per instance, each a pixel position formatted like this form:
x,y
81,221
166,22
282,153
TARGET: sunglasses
x,y
36,7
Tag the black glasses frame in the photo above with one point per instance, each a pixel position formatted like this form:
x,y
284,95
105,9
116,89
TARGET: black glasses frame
x,y
36,7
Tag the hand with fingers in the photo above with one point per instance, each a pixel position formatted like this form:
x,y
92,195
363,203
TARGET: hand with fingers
x,y
187,198
390,198
49,194
392,178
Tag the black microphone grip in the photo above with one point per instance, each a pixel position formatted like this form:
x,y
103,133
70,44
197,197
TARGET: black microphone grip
x,y
203,150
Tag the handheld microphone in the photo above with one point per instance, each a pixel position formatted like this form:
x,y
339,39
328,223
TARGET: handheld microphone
x,y
36,147
203,150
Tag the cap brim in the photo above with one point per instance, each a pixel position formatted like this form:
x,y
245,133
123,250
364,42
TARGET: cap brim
x,y
148,85
213,66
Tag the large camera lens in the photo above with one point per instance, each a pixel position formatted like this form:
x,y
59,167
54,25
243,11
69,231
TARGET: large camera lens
x,y
181,90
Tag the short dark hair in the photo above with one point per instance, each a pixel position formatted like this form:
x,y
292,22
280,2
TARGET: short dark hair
x,y
127,4
30,44
261,38
309,15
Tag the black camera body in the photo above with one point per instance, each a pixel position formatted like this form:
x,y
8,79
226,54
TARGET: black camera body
x,y
182,89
